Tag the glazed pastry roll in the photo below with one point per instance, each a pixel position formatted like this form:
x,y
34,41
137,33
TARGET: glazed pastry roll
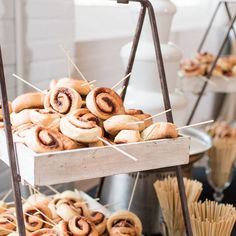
x,y
127,136
104,103
160,131
141,116
192,68
41,139
7,223
82,226
77,84
62,100
99,220
44,117
20,132
28,101
47,232
83,128
124,223
117,123
20,118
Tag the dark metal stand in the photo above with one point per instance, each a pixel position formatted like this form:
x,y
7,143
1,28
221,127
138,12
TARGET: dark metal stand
x,y
145,5
209,75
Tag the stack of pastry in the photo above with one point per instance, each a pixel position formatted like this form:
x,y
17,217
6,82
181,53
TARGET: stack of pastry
x,y
201,64
222,154
71,115
67,214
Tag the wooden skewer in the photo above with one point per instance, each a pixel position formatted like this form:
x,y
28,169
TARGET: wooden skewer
x,y
6,195
72,62
207,80
136,122
118,149
43,221
68,65
121,90
35,190
111,204
225,78
30,190
88,83
197,124
7,230
12,223
53,189
133,191
118,83
26,82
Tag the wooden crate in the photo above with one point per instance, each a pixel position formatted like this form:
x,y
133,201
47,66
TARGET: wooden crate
x,y
88,163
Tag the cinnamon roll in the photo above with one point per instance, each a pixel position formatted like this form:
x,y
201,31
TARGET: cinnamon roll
x,y
192,68
20,118
62,100
104,103
48,232
34,219
82,226
63,227
205,57
117,123
7,223
97,144
124,223
44,117
69,144
38,199
127,136
99,220
71,195
160,131
20,132
81,127
41,139
28,101
79,85
141,116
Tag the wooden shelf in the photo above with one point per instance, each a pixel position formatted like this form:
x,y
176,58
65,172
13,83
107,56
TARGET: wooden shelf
x,y
87,163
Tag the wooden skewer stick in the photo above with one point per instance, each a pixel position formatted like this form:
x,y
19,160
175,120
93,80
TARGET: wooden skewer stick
x,y
7,230
35,190
6,195
118,83
133,191
112,204
118,149
43,221
88,83
225,78
12,223
68,65
208,80
72,62
197,124
30,190
53,189
121,90
26,82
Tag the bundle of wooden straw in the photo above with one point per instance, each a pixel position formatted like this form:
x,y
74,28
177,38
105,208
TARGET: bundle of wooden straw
x,y
169,199
212,219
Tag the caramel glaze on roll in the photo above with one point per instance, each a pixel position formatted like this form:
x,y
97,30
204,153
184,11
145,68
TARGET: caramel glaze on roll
x,y
141,116
34,219
41,139
63,100
81,126
99,220
28,101
104,103
82,226
7,223
48,232
124,223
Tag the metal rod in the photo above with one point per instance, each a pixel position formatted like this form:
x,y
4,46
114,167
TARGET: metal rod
x,y
229,16
210,72
15,178
209,27
134,49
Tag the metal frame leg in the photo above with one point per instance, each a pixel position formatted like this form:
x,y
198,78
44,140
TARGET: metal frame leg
x,y
11,152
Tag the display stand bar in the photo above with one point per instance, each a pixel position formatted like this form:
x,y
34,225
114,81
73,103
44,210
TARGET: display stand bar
x,y
15,177
209,75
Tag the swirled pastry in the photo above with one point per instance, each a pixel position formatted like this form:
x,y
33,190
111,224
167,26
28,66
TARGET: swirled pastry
x,y
47,232
20,132
124,223
82,226
205,57
160,131
192,68
99,220
7,223
62,100
63,227
127,136
28,101
34,219
117,123
104,103
44,117
79,85
81,127
41,139
141,116
38,199
20,118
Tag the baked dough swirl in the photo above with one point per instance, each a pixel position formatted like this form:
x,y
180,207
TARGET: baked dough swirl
x,y
141,116
81,126
41,139
7,223
48,232
104,103
34,219
99,220
124,223
82,226
63,100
